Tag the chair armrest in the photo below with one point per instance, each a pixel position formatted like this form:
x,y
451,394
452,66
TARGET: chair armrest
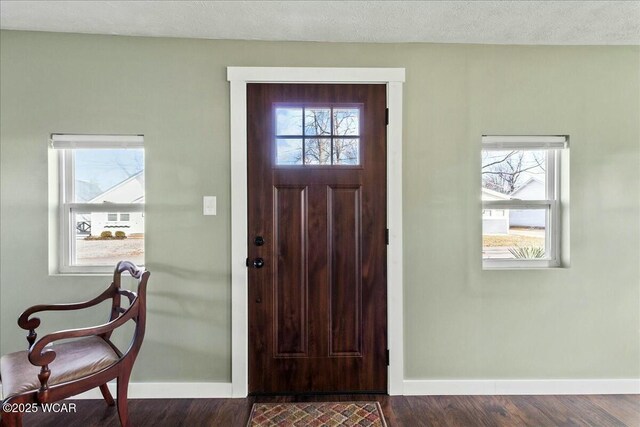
x,y
30,324
41,356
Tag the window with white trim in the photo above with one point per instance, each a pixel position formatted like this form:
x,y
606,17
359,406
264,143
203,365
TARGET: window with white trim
x,y
521,200
101,203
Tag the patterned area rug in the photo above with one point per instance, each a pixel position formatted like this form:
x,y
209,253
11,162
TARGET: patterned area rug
x,y
316,414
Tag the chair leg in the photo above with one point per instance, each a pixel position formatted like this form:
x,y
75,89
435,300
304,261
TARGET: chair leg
x,y
123,407
107,395
11,419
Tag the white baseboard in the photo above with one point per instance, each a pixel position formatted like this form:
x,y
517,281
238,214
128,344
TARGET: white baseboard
x,y
167,391
411,388
511,387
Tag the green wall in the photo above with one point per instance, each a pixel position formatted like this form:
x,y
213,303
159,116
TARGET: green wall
x,y
460,321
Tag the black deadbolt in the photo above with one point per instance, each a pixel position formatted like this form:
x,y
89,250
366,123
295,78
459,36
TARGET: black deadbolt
x,y
259,241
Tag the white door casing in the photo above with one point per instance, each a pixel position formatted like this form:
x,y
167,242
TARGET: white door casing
x,y
238,78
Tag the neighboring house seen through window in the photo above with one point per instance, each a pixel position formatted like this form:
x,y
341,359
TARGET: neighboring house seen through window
x,y
102,195
521,200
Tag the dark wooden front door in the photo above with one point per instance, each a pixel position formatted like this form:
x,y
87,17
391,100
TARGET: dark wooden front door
x,y
317,249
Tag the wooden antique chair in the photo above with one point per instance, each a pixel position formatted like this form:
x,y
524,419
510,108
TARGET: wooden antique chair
x,y
48,371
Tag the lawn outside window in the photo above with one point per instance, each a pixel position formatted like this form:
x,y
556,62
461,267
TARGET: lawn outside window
x,y
521,201
101,201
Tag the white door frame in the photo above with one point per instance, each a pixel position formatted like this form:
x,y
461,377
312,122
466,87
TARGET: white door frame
x,y
239,77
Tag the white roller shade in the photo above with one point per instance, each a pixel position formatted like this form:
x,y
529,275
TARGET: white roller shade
x,y
524,142
62,141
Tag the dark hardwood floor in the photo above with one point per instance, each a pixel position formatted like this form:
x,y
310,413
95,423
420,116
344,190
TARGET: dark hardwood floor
x,y
412,411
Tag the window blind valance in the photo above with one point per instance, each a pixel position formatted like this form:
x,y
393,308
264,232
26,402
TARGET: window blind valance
x,y
524,142
66,141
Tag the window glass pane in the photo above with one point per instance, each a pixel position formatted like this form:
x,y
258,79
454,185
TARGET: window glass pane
x,y
514,174
331,136
346,151
288,121
99,241
514,233
317,151
108,175
112,217
317,121
346,121
124,217
288,151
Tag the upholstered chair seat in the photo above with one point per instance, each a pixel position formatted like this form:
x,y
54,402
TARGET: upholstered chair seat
x,y
74,360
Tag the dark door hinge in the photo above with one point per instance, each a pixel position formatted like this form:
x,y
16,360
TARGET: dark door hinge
x,y
386,116
386,236
387,357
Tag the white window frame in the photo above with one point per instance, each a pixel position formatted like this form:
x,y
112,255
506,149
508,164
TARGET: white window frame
x,y
553,145
65,144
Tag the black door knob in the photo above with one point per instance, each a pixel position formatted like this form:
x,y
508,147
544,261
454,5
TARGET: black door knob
x,y
258,263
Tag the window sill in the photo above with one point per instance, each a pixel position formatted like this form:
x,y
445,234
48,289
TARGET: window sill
x,y
521,265
82,274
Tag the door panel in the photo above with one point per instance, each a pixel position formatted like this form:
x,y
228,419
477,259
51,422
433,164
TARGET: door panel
x,y
317,196
345,282
290,276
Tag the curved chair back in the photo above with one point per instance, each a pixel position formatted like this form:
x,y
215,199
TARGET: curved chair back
x,y
137,303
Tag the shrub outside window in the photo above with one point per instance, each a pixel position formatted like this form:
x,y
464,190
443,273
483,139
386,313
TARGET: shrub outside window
x,y
521,201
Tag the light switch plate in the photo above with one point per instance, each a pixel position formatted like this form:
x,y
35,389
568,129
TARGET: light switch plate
x,y
209,205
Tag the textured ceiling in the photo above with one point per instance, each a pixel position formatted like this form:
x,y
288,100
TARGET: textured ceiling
x,y
499,22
